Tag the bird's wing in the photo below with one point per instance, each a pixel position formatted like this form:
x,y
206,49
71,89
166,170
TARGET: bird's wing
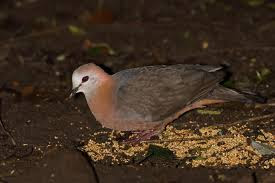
x,y
153,93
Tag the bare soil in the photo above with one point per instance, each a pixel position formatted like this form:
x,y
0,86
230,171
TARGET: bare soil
x,y
43,130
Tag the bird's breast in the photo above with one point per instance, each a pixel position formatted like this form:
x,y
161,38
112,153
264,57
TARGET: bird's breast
x,y
102,104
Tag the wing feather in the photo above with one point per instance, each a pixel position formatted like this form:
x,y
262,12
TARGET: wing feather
x,y
153,93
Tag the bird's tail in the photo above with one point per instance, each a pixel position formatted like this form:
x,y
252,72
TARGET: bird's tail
x,y
226,94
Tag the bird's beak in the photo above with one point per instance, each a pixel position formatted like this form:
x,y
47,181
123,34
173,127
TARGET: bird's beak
x,y
74,91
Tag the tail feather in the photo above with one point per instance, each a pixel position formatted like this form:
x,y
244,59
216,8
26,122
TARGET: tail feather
x,y
227,94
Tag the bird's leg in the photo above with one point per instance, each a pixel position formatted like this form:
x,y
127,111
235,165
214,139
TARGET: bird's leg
x,y
137,132
146,134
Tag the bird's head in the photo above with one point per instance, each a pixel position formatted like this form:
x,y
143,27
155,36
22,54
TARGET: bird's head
x,y
87,78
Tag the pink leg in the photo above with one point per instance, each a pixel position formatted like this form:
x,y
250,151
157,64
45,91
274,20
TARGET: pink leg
x,y
147,134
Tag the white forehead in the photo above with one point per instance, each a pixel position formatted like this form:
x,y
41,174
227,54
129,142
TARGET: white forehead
x,y
90,70
77,77
83,70
79,73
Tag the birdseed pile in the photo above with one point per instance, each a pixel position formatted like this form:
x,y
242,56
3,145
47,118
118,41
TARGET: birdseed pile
x,y
209,147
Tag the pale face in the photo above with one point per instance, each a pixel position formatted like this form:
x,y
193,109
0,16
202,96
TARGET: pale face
x,y
85,79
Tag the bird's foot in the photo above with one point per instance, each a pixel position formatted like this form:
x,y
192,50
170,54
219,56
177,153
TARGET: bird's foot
x,y
140,136
144,135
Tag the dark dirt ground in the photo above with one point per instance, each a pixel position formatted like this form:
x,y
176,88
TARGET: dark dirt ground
x,y
36,80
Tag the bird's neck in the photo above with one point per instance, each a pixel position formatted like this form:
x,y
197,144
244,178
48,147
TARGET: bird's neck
x,y
101,103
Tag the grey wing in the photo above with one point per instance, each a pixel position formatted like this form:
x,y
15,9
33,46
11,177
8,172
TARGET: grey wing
x,y
154,93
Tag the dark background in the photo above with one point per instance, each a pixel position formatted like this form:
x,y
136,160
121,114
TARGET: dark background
x,y
43,41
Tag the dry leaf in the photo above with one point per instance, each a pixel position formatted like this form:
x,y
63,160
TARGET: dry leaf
x,y
27,90
101,17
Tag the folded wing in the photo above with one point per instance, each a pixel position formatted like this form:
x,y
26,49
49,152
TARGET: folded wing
x,y
153,93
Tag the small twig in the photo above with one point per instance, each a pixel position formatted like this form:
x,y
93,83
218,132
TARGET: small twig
x,y
95,173
3,126
144,159
96,177
249,119
7,133
187,139
265,105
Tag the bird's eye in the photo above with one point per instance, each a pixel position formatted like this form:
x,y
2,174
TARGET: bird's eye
x,y
85,78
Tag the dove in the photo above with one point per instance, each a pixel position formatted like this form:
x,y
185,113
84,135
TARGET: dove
x,y
146,99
